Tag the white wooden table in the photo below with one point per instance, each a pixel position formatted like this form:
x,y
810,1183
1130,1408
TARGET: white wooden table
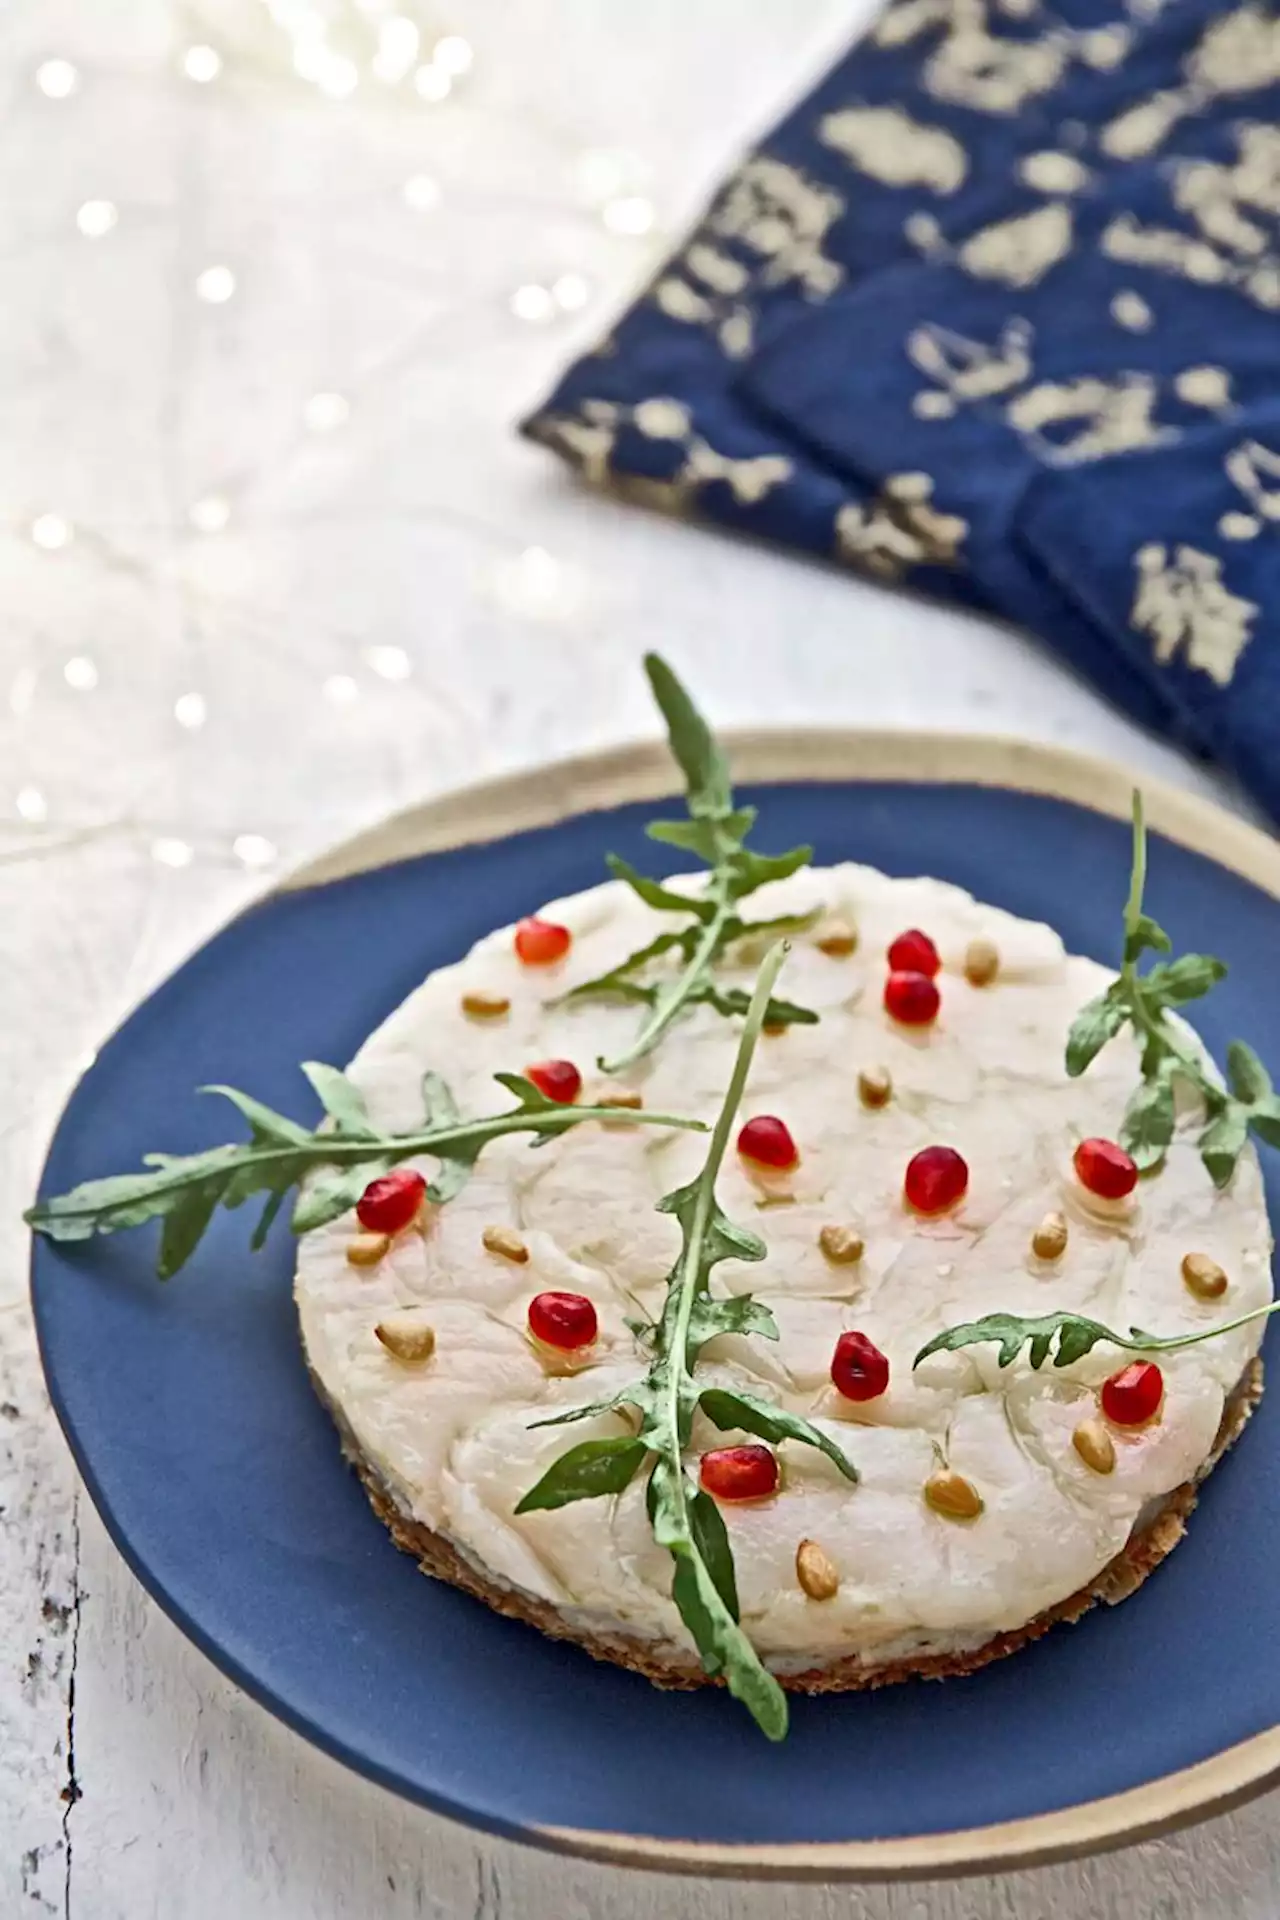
x,y
243,617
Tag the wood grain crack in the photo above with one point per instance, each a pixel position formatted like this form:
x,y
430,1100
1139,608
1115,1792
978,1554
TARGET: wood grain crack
x,y
71,1788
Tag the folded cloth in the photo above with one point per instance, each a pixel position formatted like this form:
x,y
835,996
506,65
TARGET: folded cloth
x,y
995,312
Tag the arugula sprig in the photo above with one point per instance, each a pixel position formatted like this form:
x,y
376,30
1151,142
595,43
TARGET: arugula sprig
x,y
344,1153
1068,1336
1141,1001
716,831
686,1520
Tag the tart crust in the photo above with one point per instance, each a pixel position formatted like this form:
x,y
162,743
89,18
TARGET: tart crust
x,y
1122,1576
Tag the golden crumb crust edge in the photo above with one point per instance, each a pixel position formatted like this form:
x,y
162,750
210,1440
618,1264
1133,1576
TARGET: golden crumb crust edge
x,y
1121,1577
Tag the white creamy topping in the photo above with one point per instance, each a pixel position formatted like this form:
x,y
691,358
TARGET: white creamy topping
x,y
451,1437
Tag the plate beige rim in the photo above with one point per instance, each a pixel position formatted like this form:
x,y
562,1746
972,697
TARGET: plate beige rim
x,y
543,797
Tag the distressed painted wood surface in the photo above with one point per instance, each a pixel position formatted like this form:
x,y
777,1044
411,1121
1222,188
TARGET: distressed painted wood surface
x,y
395,605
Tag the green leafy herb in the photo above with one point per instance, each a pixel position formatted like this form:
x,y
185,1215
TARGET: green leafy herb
x,y
343,1154
1067,1336
716,831
685,1520
1142,1001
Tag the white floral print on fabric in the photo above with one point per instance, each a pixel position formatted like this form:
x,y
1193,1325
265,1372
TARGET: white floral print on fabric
x,y
589,440
899,529
1184,605
1255,471
764,230
888,144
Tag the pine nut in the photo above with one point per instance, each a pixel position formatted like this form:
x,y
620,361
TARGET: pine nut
x,y
842,1245
875,1086
485,1006
981,962
366,1249
837,938
1095,1446
816,1571
407,1337
1049,1241
951,1495
505,1241
1203,1276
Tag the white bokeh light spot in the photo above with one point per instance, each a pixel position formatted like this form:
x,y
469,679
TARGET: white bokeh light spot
x,y
57,79
96,218
216,285
50,531
81,673
202,64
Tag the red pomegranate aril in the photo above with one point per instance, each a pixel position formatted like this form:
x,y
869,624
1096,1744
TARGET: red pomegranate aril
x,y
914,952
564,1320
540,942
391,1203
768,1141
1105,1169
859,1370
1131,1397
936,1178
912,999
739,1473
558,1079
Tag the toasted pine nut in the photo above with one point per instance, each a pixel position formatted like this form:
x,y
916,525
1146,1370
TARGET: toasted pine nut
x,y
875,1086
1095,1446
842,1245
366,1249
1203,1276
951,1495
406,1336
507,1242
981,962
1049,1241
816,1571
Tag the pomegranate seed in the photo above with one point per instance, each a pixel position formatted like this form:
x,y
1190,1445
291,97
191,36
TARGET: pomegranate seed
x,y
1105,1169
558,1079
566,1320
739,1473
858,1368
391,1204
912,999
914,952
768,1140
936,1178
1133,1395
539,942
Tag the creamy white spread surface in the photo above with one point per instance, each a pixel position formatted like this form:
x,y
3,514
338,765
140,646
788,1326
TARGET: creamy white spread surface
x,y
451,1439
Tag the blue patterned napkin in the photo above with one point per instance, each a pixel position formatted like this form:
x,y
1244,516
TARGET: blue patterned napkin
x,y
996,312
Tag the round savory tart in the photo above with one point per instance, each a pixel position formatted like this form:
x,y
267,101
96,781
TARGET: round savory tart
x,y
991,1500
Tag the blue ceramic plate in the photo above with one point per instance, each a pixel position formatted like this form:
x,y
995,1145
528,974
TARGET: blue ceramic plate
x,y
219,1476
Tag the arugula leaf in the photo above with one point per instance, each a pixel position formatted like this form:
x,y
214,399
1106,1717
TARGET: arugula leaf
x,y
1143,935
1149,1120
685,1520
1222,1143
186,1189
730,1408
711,1541
585,1472
1067,1336
699,1588
1140,1001
341,1099
1097,1022
735,1313
1248,1078
333,1192
1171,983
716,832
